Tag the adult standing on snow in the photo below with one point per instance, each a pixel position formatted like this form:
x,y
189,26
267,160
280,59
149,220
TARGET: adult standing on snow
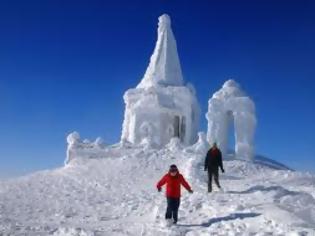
x,y
173,180
212,163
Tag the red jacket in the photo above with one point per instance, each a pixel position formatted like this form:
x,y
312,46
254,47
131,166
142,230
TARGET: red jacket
x,y
173,184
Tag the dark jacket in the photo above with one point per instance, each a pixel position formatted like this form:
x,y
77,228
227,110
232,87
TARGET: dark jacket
x,y
213,159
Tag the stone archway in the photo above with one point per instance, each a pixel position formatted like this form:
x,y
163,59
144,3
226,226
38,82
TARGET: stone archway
x,y
231,104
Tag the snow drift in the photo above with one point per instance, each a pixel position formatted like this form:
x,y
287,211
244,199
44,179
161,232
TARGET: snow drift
x,y
110,190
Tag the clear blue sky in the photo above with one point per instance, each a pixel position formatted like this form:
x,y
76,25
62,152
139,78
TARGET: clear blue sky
x,y
64,66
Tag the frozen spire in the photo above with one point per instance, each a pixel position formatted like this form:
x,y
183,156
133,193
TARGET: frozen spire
x,y
164,68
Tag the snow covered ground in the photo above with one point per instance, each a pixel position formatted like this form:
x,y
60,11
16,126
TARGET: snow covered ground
x,y
115,194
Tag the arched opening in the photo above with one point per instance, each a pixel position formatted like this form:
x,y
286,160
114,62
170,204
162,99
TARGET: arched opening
x,y
176,126
231,134
180,127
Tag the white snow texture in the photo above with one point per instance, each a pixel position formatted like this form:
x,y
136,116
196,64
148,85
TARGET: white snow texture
x,y
164,68
111,189
161,107
230,104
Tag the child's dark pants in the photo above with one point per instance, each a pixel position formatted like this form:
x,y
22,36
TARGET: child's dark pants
x,y
172,208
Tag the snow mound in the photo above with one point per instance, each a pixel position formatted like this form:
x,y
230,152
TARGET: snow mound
x,y
202,145
112,192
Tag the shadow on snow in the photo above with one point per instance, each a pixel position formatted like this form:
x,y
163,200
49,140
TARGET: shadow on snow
x,y
280,191
233,216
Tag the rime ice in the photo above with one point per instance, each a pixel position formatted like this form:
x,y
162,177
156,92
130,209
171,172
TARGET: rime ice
x,y
230,104
110,189
161,106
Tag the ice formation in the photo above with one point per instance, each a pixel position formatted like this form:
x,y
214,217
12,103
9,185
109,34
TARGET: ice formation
x,y
202,145
164,68
86,149
73,140
230,104
161,106
163,111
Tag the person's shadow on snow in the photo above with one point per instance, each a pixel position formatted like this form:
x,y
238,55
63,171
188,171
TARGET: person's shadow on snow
x,y
278,189
233,216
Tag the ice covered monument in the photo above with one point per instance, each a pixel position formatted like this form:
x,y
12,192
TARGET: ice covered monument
x,y
230,105
161,106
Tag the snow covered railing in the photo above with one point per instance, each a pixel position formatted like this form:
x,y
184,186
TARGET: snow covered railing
x,y
85,148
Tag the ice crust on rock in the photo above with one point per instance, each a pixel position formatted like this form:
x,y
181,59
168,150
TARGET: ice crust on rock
x,y
161,107
231,104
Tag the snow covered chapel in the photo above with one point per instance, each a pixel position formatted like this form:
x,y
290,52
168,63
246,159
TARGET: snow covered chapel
x,y
161,106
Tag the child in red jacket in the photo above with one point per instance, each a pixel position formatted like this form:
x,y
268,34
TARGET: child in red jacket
x,y
173,180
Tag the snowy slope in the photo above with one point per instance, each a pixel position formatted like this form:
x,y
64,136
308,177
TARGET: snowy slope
x,y
114,194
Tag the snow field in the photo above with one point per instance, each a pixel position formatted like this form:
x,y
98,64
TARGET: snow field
x,y
115,194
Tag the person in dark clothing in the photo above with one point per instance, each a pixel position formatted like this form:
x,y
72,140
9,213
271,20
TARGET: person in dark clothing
x,y
212,163
173,180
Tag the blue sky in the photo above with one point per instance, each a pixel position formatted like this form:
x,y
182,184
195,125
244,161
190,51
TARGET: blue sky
x,y
64,66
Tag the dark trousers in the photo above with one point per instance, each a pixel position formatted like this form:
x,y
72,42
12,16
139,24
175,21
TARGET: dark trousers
x,y
215,173
172,208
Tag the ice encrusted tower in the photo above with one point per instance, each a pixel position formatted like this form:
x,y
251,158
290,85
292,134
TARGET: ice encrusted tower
x,y
164,68
231,105
161,106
